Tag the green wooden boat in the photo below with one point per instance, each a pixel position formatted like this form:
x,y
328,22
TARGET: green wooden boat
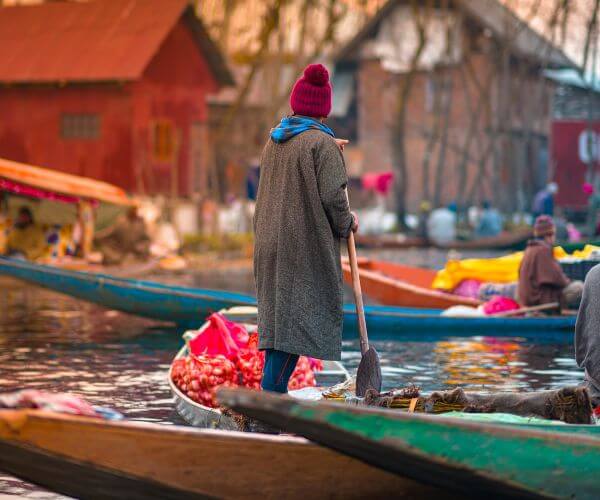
x,y
571,247
467,457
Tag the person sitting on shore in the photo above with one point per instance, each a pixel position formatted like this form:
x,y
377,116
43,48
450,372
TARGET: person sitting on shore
x,y
490,222
541,279
26,239
587,335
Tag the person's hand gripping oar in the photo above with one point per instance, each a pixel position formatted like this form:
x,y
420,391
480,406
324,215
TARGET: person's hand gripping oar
x,y
368,375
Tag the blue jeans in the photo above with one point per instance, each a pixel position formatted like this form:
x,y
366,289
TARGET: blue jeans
x,y
278,369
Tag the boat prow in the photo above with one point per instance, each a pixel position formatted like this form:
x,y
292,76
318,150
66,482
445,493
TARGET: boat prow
x,y
92,458
470,458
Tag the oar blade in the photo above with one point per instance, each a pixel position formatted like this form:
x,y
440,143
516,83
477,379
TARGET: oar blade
x,y
368,375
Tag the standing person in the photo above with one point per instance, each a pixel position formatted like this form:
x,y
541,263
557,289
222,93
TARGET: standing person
x,y
541,279
301,213
543,202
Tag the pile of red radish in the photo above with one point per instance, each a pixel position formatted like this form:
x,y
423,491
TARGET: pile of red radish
x,y
199,376
223,354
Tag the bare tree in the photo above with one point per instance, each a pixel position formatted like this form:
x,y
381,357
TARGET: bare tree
x,y
420,15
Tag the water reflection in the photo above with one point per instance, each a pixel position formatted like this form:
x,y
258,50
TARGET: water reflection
x,y
52,342
480,362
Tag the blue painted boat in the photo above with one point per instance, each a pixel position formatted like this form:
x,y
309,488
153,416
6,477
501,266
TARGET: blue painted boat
x,y
429,324
189,306
181,305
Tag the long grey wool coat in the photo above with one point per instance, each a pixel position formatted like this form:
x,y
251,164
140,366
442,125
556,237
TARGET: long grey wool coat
x,y
587,334
301,214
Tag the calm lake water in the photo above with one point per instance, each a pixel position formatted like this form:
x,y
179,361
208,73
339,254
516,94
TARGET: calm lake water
x,y
52,342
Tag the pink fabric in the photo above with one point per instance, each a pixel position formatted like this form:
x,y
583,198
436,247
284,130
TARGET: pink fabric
x,y
31,192
467,288
573,232
311,95
220,337
500,304
61,403
379,182
588,188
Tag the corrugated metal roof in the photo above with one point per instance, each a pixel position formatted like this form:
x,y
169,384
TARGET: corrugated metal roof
x,y
101,40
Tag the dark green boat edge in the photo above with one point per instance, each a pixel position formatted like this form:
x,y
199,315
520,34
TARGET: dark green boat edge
x,y
410,463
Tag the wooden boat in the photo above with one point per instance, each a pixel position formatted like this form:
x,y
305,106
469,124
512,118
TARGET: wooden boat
x,y
199,415
506,240
93,458
398,285
389,241
470,458
182,305
189,306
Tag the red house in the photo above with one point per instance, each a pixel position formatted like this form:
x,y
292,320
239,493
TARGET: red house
x,y
110,89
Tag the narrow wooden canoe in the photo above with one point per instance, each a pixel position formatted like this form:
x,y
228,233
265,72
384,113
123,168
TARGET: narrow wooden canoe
x,y
182,305
399,285
189,306
202,416
472,458
504,241
92,458
507,240
389,241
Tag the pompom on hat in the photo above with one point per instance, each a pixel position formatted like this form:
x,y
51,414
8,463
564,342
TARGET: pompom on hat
x,y
311,95
544,226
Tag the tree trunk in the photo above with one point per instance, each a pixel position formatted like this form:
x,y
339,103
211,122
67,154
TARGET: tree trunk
x,y
399,128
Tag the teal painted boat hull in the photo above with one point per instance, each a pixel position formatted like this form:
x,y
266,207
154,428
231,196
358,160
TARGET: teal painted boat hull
x,y
471,458
188,307
572,247
182,305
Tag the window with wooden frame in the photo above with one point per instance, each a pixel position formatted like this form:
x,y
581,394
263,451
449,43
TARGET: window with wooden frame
x,y
164,140
84,126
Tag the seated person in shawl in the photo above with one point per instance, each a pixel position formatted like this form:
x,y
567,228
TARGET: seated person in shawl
x,y
587,335
490,222
25,238
127,240
541,279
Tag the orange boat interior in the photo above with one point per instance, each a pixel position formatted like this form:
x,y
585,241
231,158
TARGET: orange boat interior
x,y
396,284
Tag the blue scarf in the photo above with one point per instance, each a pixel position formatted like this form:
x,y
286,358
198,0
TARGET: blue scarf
x,y
291,126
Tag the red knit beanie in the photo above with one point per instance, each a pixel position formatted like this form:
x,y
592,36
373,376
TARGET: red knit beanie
x,y
311,95
544,226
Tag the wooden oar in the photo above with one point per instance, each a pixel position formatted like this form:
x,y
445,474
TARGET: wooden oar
x,y
523,310
368,375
